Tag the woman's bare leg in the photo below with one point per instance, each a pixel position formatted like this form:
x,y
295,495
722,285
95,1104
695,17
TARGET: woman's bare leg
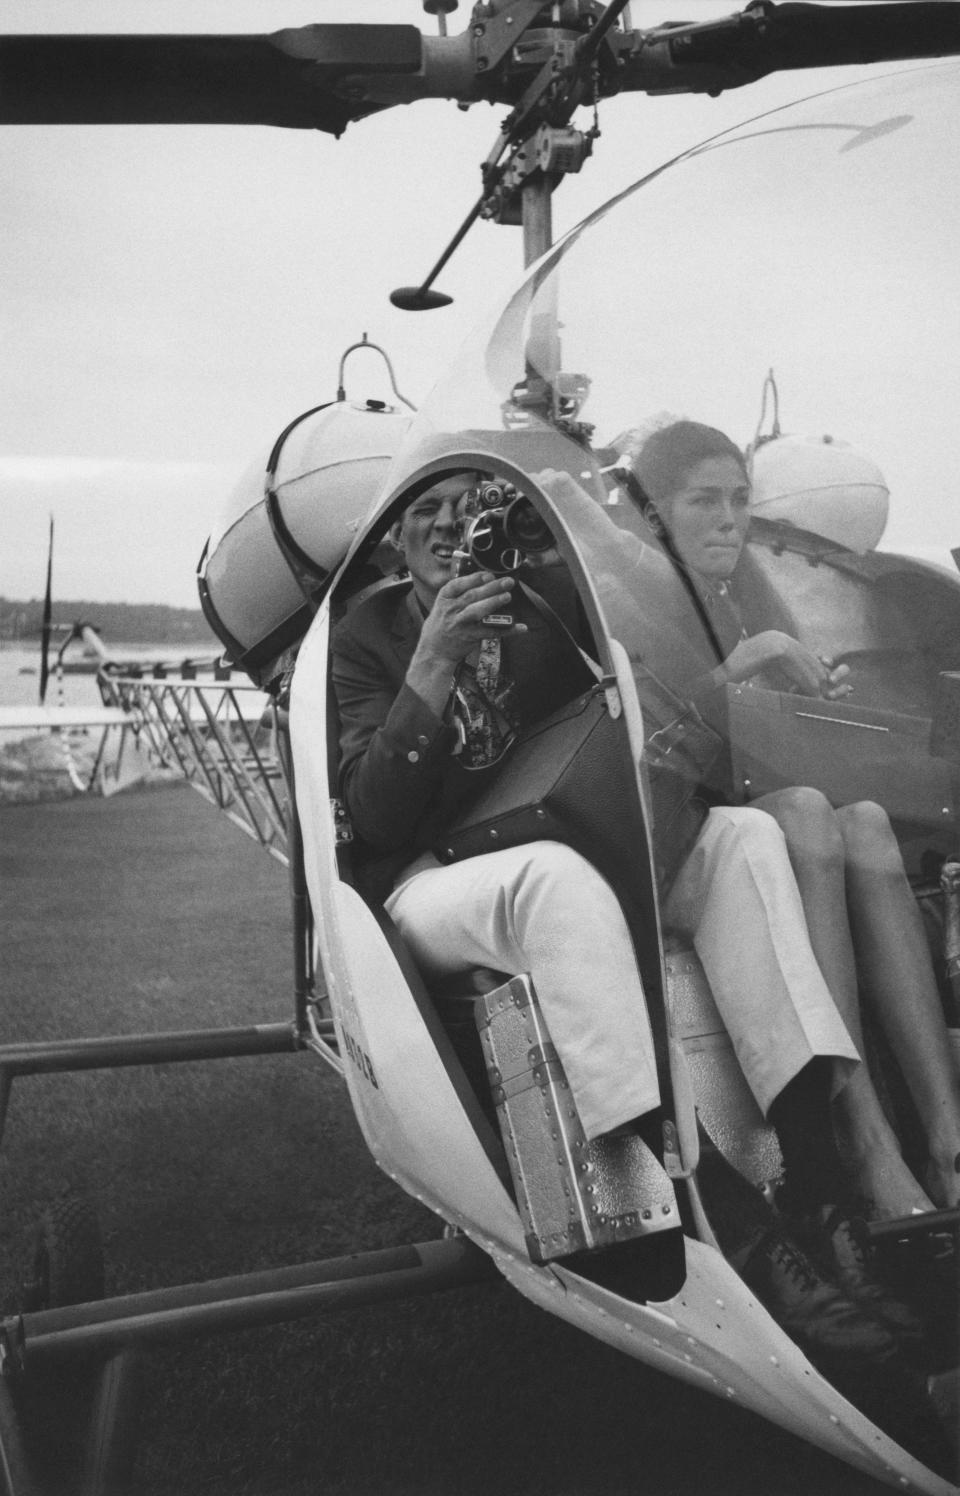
x,y
817,853
900,985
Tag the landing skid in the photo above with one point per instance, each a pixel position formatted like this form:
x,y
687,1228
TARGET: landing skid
x,y
106,1334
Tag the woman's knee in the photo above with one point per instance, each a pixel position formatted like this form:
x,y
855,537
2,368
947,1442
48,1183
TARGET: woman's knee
x,y
741,828
798,800
868,837
809,823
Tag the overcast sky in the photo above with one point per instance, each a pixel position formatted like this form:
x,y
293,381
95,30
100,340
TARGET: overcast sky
x,y
172,296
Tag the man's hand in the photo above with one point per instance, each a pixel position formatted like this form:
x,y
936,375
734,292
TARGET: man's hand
x,y
460,616
467,610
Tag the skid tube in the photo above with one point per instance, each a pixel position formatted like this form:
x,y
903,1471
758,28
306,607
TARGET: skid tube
x,y
109,1331
58,1056
248,1300
104,1333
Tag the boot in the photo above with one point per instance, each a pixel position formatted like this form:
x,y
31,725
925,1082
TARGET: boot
x,y
853,1349
836,1240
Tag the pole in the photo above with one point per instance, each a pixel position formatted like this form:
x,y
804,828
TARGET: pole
x,y
537,209
47,617
543,345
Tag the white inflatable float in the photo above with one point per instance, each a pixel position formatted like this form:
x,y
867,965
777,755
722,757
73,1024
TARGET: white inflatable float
x,y
289,523
823,485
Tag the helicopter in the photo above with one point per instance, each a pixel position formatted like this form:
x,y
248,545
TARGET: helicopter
x,y
583,351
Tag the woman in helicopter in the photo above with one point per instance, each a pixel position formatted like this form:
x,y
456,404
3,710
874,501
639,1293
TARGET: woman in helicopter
x,y
694,488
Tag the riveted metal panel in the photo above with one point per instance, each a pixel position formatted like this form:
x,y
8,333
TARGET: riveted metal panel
x,y
724,1101
572,1193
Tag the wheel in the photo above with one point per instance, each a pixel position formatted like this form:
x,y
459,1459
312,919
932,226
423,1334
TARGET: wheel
x,y
67,1266
76,1415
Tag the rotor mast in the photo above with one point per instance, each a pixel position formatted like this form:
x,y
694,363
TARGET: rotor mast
x,y
536,146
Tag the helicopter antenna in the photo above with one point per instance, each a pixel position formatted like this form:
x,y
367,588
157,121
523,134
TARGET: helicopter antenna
x,y
542,148
365,343
759,439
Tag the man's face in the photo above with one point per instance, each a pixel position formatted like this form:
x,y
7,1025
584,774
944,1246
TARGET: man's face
x,y
430,532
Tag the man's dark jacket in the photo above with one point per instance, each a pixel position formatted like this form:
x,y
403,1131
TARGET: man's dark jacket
x,y
399,779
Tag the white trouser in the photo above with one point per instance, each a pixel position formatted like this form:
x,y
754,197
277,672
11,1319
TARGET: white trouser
x,y
543,909
736,898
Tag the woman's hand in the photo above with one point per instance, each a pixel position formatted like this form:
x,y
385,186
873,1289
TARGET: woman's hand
x,y
837,684
808,673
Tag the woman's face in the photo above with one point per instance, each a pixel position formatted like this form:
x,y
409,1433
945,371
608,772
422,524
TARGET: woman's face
x,y
708,516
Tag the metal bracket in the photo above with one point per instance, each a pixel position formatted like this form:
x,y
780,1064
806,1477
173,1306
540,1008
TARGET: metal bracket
x,y
553,150
495,33
612,694
342,825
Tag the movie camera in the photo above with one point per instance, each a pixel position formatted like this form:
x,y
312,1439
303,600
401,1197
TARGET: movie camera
x,y
501,528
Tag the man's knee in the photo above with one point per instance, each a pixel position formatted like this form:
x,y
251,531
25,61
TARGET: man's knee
x,y
553,864
552,875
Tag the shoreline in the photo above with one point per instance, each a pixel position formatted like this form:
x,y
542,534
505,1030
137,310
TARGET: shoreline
x,y
35,769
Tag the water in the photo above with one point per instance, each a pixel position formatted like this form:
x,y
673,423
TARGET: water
x,y
20,676
38,764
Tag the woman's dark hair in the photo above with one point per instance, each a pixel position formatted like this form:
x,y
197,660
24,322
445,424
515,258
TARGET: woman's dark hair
x,y
668,454
659,468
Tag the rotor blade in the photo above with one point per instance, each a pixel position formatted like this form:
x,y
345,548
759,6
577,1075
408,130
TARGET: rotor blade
x,y
287,78
766,38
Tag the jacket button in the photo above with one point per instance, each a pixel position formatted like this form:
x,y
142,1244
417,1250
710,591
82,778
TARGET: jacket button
x,y
423,740
413,756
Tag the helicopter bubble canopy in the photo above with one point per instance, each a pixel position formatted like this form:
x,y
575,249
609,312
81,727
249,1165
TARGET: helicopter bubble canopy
x,y
820,241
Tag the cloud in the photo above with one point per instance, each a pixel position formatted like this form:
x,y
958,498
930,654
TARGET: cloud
x,y
125,531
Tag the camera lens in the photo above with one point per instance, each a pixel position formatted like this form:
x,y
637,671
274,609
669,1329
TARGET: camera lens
x,y
523,527
491,495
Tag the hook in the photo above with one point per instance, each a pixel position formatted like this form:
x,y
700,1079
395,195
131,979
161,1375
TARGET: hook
x,y
365,343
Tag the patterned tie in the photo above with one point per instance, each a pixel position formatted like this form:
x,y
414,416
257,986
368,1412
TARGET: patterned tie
x,y
479,709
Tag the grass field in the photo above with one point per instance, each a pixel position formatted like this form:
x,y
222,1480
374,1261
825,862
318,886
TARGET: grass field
x,y
150,912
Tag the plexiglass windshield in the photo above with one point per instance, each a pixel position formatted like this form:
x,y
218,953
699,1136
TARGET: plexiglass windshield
x,y
746,370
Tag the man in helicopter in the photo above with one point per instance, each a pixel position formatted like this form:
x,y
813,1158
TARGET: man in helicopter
x,y
432,682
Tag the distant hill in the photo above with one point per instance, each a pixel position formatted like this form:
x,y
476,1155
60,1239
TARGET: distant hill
x,y
119,623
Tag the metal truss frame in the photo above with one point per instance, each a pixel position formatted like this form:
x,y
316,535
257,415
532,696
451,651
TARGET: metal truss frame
x,y
220,735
